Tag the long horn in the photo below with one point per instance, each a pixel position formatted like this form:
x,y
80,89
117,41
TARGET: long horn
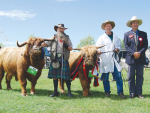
x,y
77,49
100,46
49,39
21,44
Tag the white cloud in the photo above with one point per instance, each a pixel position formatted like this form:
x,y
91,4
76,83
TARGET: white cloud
x,y
17,14
65,0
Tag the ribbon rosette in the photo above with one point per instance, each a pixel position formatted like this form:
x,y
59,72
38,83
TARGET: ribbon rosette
x,y
141,41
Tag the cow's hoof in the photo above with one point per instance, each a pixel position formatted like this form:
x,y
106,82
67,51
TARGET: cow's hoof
x,y
9,88
62,91
24,94
85,94
32,93
89,93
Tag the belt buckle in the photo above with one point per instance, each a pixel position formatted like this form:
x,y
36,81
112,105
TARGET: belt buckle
x,y
58,54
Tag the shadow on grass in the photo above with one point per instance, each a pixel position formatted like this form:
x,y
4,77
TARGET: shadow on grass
x,y
76,94
39,92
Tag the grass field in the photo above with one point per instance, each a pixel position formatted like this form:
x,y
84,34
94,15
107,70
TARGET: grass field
x,y
13,102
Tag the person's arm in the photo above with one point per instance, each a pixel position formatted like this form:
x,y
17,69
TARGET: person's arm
x,y
118,48
48,43
70,46
144,48
145,45
128,49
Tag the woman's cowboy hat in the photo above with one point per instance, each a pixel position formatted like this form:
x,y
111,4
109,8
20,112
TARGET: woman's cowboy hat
x,y
107,22
59,26
134,18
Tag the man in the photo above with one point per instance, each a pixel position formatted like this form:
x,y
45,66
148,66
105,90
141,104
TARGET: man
x,y
108,62
60,52
101,78
136,43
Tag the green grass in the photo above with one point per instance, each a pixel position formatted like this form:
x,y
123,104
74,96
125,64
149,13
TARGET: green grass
x,y
13,102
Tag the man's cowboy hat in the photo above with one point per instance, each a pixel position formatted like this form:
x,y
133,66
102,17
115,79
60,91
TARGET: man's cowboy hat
x,y
107,22
59,26
134,18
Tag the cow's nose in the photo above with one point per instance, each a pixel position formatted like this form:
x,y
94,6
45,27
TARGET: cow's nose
x,y
89,62
36,50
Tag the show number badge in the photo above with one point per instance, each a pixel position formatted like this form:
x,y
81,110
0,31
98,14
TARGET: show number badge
x,y
130,36
32,70
90,73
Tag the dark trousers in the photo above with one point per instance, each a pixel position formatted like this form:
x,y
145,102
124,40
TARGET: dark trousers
x,y
135,87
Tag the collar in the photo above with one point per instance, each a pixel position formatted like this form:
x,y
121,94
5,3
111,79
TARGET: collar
x,y
135,31
109,35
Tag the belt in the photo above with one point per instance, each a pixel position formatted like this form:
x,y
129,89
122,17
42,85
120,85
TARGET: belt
x,y
58,54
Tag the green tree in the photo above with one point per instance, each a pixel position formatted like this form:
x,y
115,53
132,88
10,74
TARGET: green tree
x,y
122,43
2,45
31,36
89,40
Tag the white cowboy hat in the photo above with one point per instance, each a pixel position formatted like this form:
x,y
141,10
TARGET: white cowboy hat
x,y
107,22
134,18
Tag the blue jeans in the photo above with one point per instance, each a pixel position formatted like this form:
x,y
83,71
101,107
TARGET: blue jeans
x,y
119,81
102,76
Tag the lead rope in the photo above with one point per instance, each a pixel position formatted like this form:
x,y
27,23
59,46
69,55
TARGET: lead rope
x,y
61,68
108,61
123,77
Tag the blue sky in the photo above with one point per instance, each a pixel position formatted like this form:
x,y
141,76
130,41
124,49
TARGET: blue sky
x,y
21,18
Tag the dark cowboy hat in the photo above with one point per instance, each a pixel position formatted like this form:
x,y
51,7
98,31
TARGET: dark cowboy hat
x,y
59,26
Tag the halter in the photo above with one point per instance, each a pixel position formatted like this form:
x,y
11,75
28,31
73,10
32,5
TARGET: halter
x,y
31,51
111,57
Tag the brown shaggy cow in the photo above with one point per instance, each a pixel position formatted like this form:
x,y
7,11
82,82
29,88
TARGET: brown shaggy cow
x,y
15,62
90,56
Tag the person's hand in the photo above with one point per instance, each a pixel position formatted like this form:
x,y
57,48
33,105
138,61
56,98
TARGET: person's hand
x,y
136,55
99,52
116,50
44,44
65,45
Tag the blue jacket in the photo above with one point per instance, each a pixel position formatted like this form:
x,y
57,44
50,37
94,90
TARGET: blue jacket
x,y
130,46
46,51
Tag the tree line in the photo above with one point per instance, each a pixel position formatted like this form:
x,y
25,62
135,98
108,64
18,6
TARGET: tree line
x,y
89,40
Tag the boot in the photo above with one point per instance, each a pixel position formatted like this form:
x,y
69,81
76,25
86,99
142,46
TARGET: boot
x,y
68,83
55,88
122,96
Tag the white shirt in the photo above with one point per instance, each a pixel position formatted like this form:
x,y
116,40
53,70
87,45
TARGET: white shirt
x,y
107,60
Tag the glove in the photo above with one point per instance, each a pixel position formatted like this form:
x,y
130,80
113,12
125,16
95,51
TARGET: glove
x,y
65,45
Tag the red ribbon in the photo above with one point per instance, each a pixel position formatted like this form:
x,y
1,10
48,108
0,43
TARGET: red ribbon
x,y
85,72
141,41
76,71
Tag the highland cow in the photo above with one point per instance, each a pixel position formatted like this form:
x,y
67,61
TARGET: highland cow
x,y
89,57
16,61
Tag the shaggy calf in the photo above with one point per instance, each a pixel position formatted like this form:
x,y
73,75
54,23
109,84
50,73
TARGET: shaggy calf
x,y
89,57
